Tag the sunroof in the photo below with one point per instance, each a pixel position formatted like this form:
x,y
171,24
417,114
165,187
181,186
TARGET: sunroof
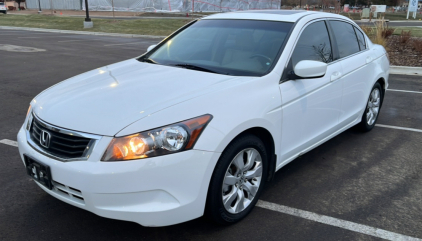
x,y
281,12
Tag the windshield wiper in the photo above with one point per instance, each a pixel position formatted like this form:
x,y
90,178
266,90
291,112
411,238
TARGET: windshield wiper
x,y
194,67
148,60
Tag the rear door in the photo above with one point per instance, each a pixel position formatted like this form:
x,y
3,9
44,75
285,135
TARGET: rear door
x,y
354,57
311,107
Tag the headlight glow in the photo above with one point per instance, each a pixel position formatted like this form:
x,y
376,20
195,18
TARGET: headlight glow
x,y
161,141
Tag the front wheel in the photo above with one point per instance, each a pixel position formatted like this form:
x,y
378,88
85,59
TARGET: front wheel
x,y
238,180
373,107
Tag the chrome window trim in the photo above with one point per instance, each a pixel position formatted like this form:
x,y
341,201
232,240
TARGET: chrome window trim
x,y
297,39
353,24
87,153
324,19
349,56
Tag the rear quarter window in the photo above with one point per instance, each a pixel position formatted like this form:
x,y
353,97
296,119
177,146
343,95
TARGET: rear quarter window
x,y
346,39
361,39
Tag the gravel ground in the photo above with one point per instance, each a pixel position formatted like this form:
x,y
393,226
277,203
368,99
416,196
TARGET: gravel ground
x,y
404,54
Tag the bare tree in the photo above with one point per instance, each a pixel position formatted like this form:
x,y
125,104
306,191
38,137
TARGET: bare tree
x,y
323,52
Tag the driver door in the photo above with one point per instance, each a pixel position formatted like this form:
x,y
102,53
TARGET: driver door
x,y
311,106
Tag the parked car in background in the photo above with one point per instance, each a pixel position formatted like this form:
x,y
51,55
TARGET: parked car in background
x,y
3,8
199,123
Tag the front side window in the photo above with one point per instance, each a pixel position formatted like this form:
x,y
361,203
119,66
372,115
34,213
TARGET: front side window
x,y
232,47
345,37
361,39
313,44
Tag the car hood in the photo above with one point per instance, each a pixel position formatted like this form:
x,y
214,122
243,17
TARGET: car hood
x,y
105,100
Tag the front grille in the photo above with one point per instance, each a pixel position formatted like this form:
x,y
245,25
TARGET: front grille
x,y
60,144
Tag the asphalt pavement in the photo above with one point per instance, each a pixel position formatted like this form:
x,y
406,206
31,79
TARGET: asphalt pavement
x,y
372,179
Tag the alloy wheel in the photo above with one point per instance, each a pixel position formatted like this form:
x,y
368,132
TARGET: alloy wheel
x,y
373,107
242,180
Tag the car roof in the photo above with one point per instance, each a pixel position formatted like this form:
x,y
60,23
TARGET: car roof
x,y
272,15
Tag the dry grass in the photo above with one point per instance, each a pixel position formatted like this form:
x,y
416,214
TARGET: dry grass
x,y
366,29
387,32
405,49
417,45
379,33
405,36
389,16
160,27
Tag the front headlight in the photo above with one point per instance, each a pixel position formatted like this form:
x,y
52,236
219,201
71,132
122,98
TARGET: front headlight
x,y
161,141
29,118
29,109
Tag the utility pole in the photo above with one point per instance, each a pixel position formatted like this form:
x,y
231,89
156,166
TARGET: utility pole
x,y
112,5
52,7
87,23
39,5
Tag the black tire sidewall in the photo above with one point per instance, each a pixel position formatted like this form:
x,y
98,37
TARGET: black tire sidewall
x,y
214,208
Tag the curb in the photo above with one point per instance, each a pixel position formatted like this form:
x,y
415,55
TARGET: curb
x,y
373,20
405,70
405,21
83,32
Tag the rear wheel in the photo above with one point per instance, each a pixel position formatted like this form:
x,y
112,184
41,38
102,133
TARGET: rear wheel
x,y
373,107
238,180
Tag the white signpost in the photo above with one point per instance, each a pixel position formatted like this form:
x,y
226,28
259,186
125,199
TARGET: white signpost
x,y
379,8
413,7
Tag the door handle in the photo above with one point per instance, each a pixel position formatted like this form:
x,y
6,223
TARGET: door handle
x,y
368,59
335,76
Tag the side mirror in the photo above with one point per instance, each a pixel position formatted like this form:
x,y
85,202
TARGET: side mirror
x,y
151,47
310,69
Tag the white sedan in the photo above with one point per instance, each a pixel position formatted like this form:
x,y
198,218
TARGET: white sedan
x,y
199,123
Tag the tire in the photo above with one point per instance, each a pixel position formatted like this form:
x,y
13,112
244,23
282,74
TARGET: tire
x,y
374,102
244,180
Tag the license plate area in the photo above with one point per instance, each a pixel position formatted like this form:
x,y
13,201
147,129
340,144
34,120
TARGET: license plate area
x,y
39,172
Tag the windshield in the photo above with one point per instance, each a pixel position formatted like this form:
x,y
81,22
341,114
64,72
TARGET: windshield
x,y
232,47
1,3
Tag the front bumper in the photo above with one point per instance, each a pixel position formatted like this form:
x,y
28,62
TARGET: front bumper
x,y
156,191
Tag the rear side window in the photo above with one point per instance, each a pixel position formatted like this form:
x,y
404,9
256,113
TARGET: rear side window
x,y
361,39
314,44
345,37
